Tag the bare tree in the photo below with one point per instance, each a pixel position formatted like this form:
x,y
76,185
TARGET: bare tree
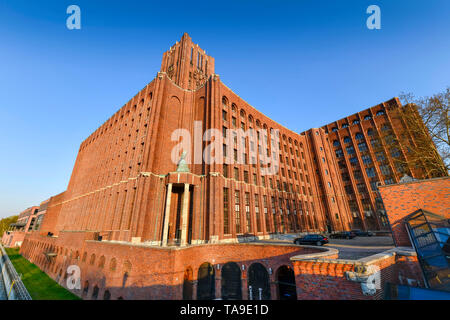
x,y
427,133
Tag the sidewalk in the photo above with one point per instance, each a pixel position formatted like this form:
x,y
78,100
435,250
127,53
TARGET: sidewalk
x,y
2,289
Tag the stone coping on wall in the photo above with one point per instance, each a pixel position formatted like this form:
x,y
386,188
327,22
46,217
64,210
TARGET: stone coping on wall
x,y
318,257
324,251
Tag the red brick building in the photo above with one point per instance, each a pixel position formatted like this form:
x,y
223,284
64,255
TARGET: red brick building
x,y
29,220
131,194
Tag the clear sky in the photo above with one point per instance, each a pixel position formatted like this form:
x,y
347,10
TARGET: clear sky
x,y
302,63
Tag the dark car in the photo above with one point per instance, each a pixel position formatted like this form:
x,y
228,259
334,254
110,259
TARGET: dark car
x,y
343,235
361,233
312,239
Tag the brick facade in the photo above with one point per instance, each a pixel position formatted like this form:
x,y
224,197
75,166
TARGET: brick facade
x,y
128,202
403,199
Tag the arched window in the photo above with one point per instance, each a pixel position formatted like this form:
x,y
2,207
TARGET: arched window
x,y
206,282
336,143
258,282
233,108
224,102
92,260
95,293
368,117
345,125
355,121
231,282
380,113
347,139
113,264
101,262
86,287
107,295
334,129
286,283
359,136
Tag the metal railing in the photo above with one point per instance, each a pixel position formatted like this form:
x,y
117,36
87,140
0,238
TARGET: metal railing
x,y
14,282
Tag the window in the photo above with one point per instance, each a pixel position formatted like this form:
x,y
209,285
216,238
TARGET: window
x,y
373,185
385,170
388,181
368,117
226,221
236,173
359,136
395,153
370,132
370,172
247,213
348,189
345,125
361,188
339,153
362,146
400,168
350,150
355,121
237,210
336,143
385,127
353,161
334,129
375,143
389,139
258,218
380,113
366,159
246,176
347,139
380,156
357,174
224,115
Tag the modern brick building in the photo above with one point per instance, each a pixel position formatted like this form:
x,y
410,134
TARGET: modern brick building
x,y
29,220
132,193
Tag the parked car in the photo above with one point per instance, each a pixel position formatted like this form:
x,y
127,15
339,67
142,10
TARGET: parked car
x,y
343,235
361,233
312,239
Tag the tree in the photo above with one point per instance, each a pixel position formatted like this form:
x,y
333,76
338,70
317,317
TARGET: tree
x,y
5,222
426,137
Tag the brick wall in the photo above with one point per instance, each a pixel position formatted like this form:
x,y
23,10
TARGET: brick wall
x,y
152,272
401,200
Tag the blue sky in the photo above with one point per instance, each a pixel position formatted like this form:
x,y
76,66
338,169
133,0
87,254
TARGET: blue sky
x,y
302,63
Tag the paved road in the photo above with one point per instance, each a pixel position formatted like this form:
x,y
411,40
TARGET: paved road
x,y
356,248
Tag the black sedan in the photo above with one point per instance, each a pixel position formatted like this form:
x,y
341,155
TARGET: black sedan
x,y
361,233
312,239
343,235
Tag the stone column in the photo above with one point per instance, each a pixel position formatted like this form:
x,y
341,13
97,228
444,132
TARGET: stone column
x,y
184,215
167,215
